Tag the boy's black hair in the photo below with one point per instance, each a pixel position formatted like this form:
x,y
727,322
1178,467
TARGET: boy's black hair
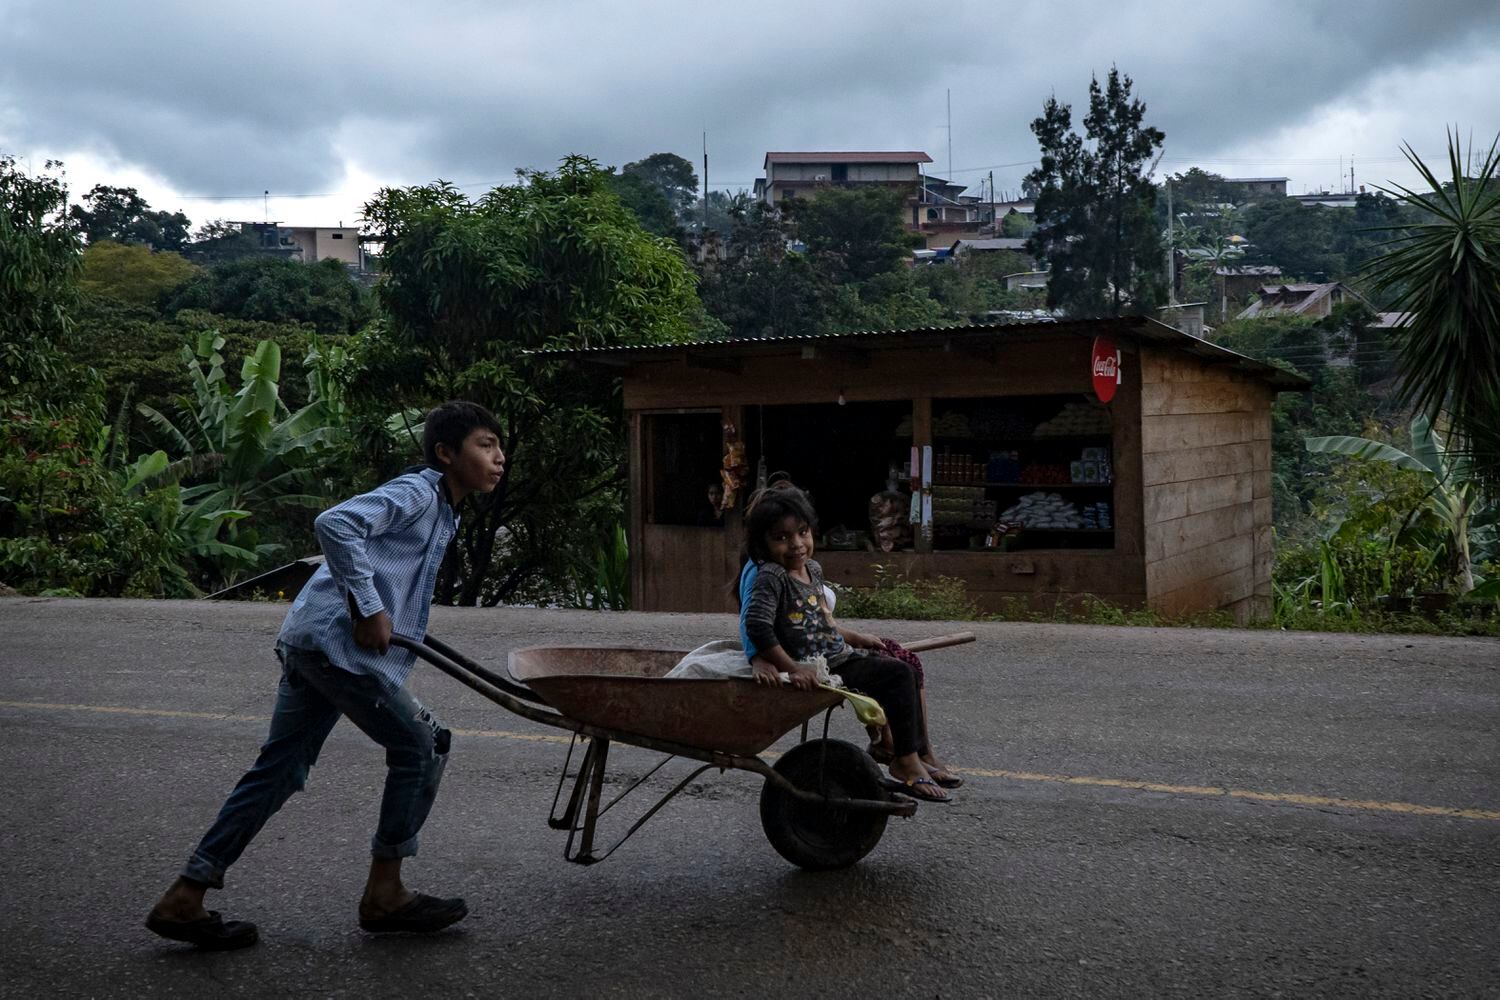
x,y
450,424
768,508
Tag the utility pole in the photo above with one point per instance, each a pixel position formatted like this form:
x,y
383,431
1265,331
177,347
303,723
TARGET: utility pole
x,y
950,135
705,185
1171,252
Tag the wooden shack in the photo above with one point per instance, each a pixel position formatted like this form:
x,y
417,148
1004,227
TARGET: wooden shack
x,y
992,440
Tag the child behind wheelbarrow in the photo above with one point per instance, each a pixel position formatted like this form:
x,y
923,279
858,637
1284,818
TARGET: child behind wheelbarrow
x,y
785,620
382,551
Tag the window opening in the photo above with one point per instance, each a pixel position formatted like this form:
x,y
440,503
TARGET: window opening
x,y
1022,472
852,460
685,453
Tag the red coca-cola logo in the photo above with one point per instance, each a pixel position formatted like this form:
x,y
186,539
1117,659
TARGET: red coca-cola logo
x,y
1106,368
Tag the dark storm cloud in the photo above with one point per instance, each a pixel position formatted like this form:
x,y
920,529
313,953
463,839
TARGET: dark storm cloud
x,y
229,100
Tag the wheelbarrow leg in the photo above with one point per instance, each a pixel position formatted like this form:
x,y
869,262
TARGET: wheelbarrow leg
x,y
596,788
590,777
569,818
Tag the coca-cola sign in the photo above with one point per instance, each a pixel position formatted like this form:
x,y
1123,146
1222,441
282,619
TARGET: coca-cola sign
x,y
1106,368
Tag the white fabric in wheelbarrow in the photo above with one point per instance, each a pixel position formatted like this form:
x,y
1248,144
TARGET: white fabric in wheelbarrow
x,y
725,658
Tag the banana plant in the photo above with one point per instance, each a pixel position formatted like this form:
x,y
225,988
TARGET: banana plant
x,y
194,526
1453,498
260,454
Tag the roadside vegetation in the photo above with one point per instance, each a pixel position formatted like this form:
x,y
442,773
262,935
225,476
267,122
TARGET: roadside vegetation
x,y
175,406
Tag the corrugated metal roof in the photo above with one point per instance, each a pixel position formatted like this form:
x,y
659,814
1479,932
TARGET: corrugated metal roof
x,y
999,243
893,156
1140,327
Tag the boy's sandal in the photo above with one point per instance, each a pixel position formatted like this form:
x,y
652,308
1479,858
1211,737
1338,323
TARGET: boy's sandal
x,y
211,933
421,916
921,789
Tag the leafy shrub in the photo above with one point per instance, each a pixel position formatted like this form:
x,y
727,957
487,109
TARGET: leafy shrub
x,y
132,274
71,523
941,599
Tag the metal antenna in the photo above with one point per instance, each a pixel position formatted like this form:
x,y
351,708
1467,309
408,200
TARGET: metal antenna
x,y
1171,252
950,135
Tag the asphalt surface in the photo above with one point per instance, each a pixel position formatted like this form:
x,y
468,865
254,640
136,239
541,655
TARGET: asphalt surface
x,y
1147,813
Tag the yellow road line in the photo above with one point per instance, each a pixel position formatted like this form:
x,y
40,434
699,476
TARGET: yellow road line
x,y
119,710
167,713
1290,798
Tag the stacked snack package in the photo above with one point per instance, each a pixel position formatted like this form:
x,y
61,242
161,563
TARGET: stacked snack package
x,y
1043,511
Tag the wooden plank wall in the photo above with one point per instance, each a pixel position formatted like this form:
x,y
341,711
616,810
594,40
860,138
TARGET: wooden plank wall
x,y
684,569
1206,479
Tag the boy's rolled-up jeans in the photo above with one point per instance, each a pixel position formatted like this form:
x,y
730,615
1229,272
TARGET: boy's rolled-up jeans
x,y
312,695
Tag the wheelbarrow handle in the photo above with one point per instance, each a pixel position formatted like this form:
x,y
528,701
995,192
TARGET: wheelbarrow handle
x,y
939,642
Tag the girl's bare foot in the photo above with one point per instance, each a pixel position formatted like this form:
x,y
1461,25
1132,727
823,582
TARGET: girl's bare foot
x,y
940,772
915,781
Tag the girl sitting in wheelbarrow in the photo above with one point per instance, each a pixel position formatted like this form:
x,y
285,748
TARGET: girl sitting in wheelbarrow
x,y
785,620
881,748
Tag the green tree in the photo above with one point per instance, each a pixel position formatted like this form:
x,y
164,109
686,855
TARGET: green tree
x,y
1095,207
470,289
120,214
132,273
39,264
1444,272
1017,225
275,290
1303,240
763,290
1197,189
854,233
71,522
646,202
1338,401
725,209
673,176
221,240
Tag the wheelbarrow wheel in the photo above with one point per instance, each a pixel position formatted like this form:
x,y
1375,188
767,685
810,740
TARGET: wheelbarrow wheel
x,y
822,837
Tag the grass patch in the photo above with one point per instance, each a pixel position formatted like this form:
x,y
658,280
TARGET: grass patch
x,y
946,598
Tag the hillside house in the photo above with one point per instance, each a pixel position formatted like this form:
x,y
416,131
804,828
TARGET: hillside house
x,y
1311,299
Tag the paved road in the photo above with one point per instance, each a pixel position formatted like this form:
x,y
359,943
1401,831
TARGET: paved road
x,y
1148,813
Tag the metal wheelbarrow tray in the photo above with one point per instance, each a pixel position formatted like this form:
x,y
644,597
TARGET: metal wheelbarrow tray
x,y
822,806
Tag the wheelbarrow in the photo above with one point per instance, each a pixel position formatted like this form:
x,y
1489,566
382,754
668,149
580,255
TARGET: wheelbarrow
x,y
823,805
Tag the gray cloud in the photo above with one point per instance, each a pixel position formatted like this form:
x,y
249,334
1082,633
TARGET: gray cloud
x,y
283,95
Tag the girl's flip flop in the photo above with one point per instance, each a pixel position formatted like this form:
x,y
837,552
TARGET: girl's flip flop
x,y
945,779
911,789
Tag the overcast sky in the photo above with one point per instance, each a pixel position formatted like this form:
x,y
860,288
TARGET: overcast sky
x,y
204,106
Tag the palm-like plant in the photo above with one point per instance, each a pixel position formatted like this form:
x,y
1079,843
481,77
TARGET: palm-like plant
x,y
260,454
1444,273
1445,520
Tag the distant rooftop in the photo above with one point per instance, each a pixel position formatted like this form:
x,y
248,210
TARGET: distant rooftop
x,y
896,156
1002,243
1255,180
1258,270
